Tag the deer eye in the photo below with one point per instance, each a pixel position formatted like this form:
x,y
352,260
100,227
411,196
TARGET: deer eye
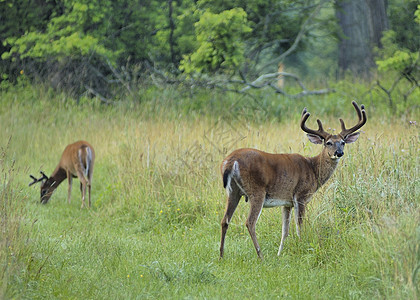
x,y
342,143
328,143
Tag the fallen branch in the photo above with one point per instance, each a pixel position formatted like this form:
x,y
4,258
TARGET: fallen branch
x,y
240,86
267,80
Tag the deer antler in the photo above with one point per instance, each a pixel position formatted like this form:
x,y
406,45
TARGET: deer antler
x,y
320,132
35,180
361,113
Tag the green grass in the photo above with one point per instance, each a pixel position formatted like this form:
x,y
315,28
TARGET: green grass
x,y
154,228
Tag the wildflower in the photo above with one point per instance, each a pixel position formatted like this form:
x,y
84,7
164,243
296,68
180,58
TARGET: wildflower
x,y
21,72
128,275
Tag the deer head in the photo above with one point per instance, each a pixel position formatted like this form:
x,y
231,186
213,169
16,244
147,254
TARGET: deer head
x,y
334,144
46,184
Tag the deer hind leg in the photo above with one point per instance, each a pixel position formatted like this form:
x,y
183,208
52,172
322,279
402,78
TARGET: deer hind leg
x,y
89,164
83,183
70,180
84,193
90,173
84,172
231,204
88,184
89,187
256,204
285,227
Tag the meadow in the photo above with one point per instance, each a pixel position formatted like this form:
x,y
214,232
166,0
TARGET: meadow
x,y
154,228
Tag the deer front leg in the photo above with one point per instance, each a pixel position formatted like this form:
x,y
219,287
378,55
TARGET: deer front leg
x,y
285,228
256,202
70,180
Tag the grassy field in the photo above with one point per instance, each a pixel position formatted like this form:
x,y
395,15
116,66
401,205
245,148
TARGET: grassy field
x,y
154,228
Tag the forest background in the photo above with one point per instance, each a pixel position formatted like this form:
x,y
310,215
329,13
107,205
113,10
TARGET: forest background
x,y
164,90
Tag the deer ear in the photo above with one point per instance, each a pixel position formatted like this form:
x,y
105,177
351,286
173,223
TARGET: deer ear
x,y
351,138
314,138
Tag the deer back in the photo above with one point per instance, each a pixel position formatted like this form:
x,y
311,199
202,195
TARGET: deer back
x,y
77,156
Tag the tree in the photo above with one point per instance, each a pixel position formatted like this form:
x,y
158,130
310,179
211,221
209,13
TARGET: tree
x,y
362,23
400,58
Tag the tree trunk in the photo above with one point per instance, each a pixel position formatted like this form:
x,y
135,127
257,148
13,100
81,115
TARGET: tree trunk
x,y
362,23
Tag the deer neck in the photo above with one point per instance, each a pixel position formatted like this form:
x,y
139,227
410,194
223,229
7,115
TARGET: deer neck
x,y
324,167
58,176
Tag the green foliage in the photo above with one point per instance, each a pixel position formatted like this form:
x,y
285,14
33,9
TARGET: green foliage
x,y
20,16
275,25
64,36
220,40
115,30
394,58
417,14
137,31
401,20
400,50
182,40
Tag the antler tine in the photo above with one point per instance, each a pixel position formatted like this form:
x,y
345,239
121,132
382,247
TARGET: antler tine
x,y
320,132
43,175
361,113
35,180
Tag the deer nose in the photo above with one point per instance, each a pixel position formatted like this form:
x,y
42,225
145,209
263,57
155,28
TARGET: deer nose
x,y
339,153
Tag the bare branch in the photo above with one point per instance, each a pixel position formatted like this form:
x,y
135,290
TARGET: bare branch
x,y
119,77
411,90
240,86
267,80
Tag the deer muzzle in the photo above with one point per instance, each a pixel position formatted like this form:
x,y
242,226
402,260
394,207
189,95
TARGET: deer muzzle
x,y
339,153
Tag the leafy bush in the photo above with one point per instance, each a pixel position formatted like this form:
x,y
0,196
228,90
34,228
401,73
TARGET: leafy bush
x,y
220,40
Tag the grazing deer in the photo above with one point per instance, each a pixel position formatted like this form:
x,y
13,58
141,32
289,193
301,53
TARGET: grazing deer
x,y
76,161
288,180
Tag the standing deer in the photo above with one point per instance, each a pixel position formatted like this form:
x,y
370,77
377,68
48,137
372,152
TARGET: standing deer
x,y
288,180
76,161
